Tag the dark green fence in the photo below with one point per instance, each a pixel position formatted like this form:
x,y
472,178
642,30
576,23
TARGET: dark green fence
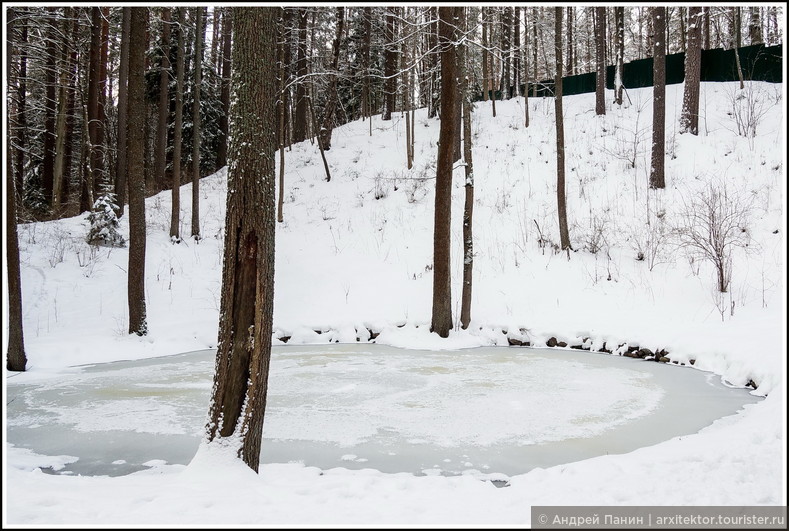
x,y
759,63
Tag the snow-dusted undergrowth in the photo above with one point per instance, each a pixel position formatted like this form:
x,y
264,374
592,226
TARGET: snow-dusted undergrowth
x,y
354,256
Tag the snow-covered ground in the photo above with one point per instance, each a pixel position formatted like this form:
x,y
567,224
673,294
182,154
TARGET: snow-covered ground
x,y
354,258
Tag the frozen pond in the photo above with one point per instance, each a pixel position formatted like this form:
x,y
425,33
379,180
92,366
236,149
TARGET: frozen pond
x,y
479,411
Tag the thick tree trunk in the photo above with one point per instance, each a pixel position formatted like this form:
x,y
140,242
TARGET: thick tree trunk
x,y
160,148
442,288
689,119
657,168
175,217
123,110
227,33
561,198
196,123
20,124
16,360
135,135
242,362
600,60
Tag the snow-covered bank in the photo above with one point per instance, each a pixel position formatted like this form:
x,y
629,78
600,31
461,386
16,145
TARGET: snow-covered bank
x,y
354,256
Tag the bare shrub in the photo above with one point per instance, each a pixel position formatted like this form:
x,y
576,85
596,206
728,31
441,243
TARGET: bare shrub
x,y
712,223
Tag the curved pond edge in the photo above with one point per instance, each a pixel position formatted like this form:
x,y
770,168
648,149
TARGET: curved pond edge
x,y
519,337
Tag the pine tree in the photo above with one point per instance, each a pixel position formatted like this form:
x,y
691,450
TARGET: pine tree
x,y
657,168
442,289
564,234
135,136
242,362
689,119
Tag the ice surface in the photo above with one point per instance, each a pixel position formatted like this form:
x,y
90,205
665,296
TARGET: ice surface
x,y
495,409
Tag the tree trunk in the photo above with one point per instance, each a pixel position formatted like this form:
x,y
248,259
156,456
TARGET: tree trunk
x,y
570,42
754,26
196,124
657,171
619,14
101,179
301,118
160,148
525,67
468,204
516,44
600,60
506,29
64,86
282,45
706,29
227,33
16,360
20,123
123,110
432,42
327,123
390,65
485,54
175,217
94,123
689,119
535,18
442,288
561,197
366,113
238,401
51,81
135,135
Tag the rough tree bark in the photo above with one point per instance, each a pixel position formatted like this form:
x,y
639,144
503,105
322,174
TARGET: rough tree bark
x,y
468,204
689,119
619,15
600,60
51,81
561,198
123,109
175,217
196,124
136,138
242,361
160,148
441,322
657,168
16,360
390,65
